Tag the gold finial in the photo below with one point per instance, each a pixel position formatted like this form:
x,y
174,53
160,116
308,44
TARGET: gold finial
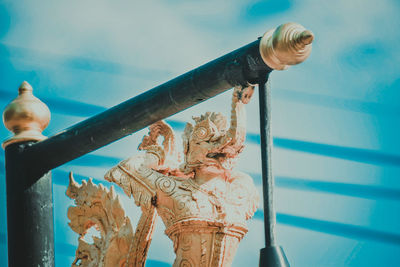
x,y
288,44
26,116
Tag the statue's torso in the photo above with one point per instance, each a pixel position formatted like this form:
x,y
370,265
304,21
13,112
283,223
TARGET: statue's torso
x,y
205,222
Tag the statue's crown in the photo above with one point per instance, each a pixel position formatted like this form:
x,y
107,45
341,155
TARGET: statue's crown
x,y
209,126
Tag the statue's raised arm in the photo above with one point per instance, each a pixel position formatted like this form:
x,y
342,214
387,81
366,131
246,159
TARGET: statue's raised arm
x,y
138,175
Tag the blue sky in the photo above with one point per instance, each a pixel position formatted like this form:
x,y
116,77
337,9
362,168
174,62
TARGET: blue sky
x,y
335,117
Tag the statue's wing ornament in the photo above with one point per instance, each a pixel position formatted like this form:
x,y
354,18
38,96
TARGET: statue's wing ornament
x,y
99,207
129,174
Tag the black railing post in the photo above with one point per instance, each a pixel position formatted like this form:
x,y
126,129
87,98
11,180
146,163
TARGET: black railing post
x,y
272,255
30,227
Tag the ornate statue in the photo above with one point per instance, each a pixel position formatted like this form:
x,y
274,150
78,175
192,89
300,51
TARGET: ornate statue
x,y
100,208
203,203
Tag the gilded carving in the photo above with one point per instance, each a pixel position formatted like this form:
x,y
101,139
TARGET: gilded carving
x,y
117,245
26,116
203,203
97,207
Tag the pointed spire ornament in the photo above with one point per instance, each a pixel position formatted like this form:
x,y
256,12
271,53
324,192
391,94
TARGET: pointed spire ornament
x,y
288,44
26,117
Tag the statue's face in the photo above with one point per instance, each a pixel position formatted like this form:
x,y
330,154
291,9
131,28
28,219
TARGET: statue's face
x,y
208,156
208,147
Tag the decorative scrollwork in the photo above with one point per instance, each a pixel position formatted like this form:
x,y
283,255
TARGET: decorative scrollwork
x,y
166,184
117,246
186,242
201,133
186,263
99,207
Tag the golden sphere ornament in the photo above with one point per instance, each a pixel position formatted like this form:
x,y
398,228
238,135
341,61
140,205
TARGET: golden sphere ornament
x,y
26,116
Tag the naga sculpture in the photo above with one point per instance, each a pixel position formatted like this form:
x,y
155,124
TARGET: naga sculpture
x,y
203,203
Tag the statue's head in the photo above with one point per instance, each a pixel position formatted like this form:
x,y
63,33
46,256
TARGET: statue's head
x,y
210,145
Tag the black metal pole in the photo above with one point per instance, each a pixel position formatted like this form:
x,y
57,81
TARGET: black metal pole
x,y
236,68
29,212
272,255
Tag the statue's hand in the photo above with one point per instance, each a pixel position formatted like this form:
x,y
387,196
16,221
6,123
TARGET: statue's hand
x,y
155,130
150,141
242,94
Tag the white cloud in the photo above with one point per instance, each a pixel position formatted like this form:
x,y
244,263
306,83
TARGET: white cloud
x,y
149,34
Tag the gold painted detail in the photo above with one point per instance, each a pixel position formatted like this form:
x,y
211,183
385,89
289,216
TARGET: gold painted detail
x,y
116,245
97,207
203,203
288,44
26,117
